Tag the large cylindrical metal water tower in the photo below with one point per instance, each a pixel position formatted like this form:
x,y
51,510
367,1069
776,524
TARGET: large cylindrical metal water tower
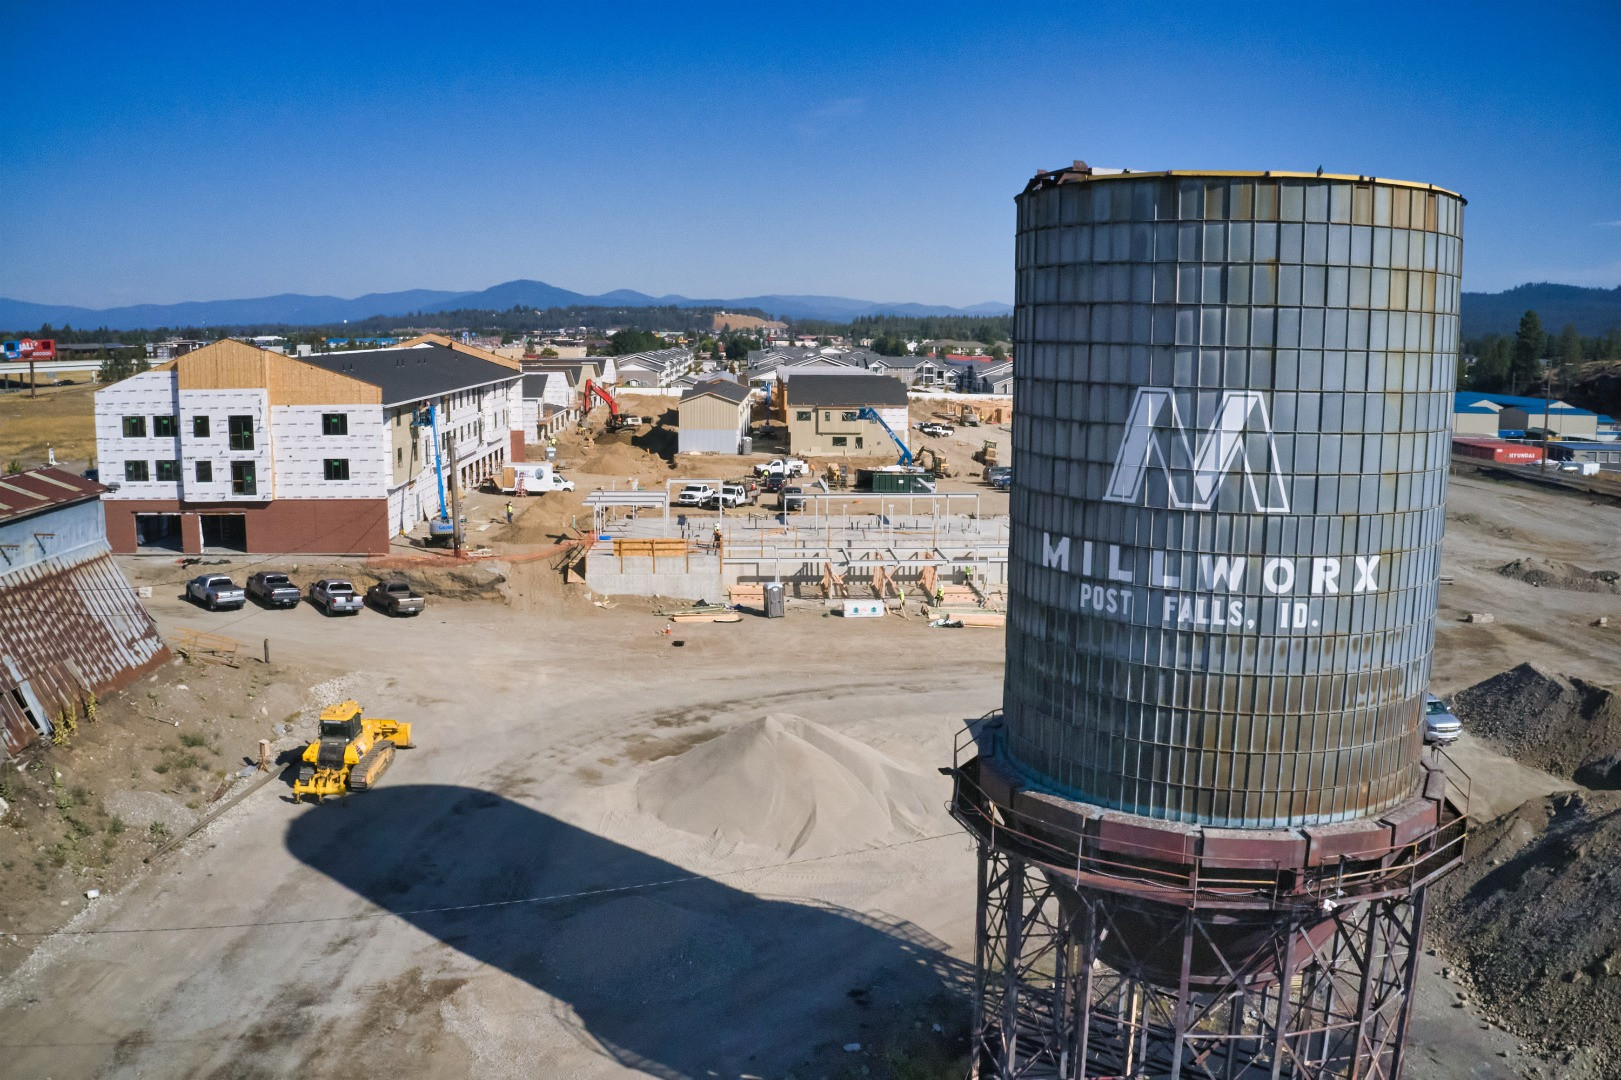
x,y
1206,812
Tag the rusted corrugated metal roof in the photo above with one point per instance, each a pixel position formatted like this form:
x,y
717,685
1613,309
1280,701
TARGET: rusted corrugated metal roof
x,y
26,493
70,625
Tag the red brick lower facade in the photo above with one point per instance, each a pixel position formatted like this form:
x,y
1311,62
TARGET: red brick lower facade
x,y
291,526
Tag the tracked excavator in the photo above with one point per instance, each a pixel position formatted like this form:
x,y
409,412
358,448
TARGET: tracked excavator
x,y
352,752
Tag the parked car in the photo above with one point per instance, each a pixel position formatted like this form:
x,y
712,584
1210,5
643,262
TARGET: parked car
x,y
750,488
273,589
695,495
623,422
1441,724
999,477
792,498
782,467
936,429
771,484
215,591
395,598
334,596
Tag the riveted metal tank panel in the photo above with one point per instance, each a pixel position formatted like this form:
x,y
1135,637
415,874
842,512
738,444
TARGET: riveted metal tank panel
x,y
1230,453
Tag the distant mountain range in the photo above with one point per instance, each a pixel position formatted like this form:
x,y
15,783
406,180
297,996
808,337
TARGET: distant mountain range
x,y
1593,311
294,309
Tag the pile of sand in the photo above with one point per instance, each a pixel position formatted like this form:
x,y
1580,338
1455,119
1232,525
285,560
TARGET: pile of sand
x,y
1532,918
793,786
1543,719
1547,574
612,458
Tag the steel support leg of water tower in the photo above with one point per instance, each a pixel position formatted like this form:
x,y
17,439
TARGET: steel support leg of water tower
x,y
1069,986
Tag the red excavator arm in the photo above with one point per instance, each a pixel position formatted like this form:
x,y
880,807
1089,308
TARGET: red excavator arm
x,y
607,398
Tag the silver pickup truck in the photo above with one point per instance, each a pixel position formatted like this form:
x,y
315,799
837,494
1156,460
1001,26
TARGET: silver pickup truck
x,y
215,591
334,596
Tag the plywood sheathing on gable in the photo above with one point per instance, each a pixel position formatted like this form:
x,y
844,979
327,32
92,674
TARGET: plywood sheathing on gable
x,y
234,365
470,350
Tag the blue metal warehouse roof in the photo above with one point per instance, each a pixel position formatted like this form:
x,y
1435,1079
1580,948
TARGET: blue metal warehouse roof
x,y
1465,399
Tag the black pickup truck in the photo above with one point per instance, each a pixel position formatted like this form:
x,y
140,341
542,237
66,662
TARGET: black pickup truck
x,y
395,598
273,589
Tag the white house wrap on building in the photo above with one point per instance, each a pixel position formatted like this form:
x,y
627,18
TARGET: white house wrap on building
x,y
235,447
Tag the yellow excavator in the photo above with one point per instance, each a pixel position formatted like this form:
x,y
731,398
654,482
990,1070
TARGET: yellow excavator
x,y
352,752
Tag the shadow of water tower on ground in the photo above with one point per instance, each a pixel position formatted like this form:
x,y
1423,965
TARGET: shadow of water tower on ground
x,y
674,975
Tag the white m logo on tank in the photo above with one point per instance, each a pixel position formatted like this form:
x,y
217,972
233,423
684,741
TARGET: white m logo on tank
x,y
1156,439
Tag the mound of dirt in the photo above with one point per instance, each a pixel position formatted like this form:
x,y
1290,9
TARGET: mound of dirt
x,y
1533,919
1547,574
1543,719
614,458
790,785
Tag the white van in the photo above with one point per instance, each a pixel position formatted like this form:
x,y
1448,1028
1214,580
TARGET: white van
x,y
531,478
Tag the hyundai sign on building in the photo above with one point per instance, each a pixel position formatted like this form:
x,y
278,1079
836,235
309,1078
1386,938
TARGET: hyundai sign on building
x,y
1231,444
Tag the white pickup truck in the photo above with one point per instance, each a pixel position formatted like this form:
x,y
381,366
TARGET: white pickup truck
x,y
783,467
531,478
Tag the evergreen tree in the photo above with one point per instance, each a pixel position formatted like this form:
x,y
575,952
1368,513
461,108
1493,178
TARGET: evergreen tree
x,y
1570,349
1529,344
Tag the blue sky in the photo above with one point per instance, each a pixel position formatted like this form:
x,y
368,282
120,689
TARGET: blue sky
x,y
174,152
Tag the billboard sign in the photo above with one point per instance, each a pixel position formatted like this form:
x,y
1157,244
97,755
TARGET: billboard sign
x,y
30,349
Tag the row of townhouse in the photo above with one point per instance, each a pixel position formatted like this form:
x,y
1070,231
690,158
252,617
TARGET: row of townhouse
x,y
236,447
660,367
963,374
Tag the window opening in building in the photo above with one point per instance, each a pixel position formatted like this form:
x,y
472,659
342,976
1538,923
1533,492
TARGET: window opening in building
x,y
334,423
134,427
240,430
205,472
227,531
135,472
337,468
199,427
165,427
840,440
242,478
802,414
168,471
158,531
22,701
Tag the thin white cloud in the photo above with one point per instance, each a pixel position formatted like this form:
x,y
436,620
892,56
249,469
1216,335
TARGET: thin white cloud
x,y
825,119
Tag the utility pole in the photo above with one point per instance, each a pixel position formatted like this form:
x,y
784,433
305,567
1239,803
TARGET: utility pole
x,y
33,382
455,495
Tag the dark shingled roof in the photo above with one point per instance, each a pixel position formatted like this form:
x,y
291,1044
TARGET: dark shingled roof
x,y
27,493
534,382
721,388
819,388
414,373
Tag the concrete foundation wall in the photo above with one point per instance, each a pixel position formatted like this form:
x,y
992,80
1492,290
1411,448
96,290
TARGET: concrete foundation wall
x,y
696,578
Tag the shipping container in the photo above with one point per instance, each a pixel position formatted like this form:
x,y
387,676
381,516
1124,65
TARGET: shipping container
x,y
1498,450
895,481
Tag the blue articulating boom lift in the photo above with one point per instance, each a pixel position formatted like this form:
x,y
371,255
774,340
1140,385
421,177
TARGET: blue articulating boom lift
x,y
869,413
443,527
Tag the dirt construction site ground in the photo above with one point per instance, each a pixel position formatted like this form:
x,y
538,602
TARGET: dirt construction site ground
x,y
720,852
